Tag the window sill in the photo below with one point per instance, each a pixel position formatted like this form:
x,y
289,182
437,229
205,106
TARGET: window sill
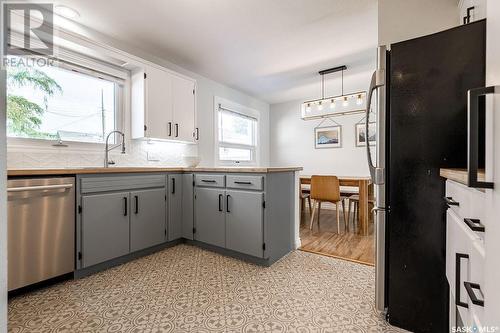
x,y
34,145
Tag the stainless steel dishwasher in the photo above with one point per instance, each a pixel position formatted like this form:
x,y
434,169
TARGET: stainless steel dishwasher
x,y
41,229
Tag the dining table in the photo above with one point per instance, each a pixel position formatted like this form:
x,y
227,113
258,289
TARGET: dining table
x,y
363,185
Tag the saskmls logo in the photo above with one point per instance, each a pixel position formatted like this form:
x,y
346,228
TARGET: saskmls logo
x,y
474,329
27,29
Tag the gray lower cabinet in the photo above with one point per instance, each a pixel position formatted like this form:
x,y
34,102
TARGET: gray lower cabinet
x,y
105,227
210,216
147,218
174,189
245,222
188,206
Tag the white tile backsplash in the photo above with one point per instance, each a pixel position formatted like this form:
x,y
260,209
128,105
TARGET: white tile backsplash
x,y
167,153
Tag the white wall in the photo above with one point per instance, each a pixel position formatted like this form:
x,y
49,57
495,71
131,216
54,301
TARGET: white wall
x,y
292,139
3,210
170,153
492,235
400,20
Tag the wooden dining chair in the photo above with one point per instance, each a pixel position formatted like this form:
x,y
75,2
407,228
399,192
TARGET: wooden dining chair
x,y
305,194
326,189
354,199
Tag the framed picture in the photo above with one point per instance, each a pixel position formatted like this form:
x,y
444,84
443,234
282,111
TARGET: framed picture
x,y
328,137
361,134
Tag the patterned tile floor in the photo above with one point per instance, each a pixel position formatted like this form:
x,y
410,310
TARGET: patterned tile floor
x,y
187,289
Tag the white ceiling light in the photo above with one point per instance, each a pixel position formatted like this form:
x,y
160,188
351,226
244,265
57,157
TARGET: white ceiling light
x,y
66,12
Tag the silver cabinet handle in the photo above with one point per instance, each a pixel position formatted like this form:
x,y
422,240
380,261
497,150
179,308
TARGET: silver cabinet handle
x,y
39,188
377,81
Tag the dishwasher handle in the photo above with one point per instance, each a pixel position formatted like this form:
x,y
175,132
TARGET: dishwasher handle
x,y
39,188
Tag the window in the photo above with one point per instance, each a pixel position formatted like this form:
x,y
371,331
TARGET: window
x,y
61,102
237,138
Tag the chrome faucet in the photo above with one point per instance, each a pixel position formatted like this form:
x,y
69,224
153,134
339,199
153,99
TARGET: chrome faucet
x,y
107,161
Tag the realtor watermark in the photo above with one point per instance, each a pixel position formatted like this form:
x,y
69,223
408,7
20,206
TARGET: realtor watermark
x,y
475,329
27,33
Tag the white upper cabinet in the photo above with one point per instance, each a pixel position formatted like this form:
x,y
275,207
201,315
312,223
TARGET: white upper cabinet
x,y
183,106
163,105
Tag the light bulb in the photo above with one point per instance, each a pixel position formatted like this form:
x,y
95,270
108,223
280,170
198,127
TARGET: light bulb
x,y
346,102
359,100
332,104
320,105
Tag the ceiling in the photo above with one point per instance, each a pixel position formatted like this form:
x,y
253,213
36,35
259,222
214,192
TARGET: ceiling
x,y
270,49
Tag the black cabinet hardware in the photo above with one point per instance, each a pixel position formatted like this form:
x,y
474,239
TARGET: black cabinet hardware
x,y
450,202
469,286
208,181
263,204
264,246
79,209
220,202
458,260
145,128
176,130
474,224
125,200
79,256
243,183
467,18
194,230
197,133
169,128
173,185
227,203
145,76
136,204
473,133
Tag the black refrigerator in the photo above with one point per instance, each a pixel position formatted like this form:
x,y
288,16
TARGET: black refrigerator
x,y
419,104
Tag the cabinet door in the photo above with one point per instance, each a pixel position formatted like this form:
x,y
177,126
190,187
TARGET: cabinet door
x,y
105,227
187,205
147,218
174,206
209,216
244,222
158,104
183,102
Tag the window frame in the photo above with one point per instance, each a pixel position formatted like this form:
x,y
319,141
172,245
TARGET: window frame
x,y
84,65
245,112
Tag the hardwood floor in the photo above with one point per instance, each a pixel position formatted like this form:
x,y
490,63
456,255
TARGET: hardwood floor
x,y
348,245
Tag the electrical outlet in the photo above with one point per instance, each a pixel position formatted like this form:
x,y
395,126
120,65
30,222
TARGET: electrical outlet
x,y
152,156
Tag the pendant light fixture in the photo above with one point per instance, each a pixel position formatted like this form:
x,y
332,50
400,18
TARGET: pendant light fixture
x,y
334,105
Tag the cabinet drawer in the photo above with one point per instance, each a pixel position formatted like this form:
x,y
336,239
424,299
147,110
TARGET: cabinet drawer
x,y
471,202
209,180
120,183
245,182
464,248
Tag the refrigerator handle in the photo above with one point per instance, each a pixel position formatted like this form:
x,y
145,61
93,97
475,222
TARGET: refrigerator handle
x,y
377,81
473,134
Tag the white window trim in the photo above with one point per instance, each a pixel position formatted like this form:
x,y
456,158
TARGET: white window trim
x,y
86,67
233,106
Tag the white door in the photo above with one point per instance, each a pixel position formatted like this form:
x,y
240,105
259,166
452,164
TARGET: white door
x,y
492,233
158,104
183,102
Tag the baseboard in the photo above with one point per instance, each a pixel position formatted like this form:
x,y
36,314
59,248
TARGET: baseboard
x,y
338,257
